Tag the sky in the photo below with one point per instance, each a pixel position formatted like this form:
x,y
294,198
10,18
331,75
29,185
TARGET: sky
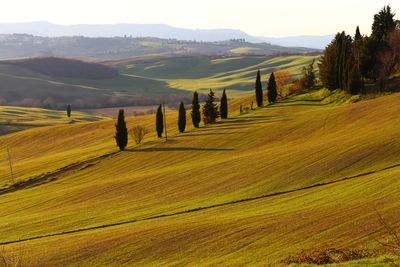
x,y
255,17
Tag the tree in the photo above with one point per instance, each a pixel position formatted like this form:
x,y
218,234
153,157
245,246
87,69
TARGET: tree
x,y
195,110
327,67
358,39
336,62
182,118
272,90
138,133
69,111
308,79
121,132
224,106
159,121
388,58
282,78
357,36
259,91
384,24
356,83
210,109
368,58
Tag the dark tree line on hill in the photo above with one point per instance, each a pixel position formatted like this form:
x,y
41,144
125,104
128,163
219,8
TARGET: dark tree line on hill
x,y
70,68
347,62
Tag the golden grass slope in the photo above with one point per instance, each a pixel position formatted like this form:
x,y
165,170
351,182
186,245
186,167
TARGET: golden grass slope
x,y
252,189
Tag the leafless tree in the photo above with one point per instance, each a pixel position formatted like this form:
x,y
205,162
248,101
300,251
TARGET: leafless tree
x,y
138,133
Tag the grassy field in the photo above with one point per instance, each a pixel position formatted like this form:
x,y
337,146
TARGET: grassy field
x,y
253,189
13,119
204,73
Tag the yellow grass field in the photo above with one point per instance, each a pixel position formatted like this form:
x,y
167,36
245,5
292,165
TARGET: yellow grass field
x,y
249,190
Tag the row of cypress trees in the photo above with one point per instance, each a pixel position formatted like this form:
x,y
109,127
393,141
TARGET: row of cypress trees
x,y
210,112
272,92
210,115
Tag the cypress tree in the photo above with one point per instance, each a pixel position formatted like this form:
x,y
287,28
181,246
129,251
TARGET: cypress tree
x,y
182,118
259,91
357,36
121,133
224,106
69,111
210,109
159,121
272,90
195,110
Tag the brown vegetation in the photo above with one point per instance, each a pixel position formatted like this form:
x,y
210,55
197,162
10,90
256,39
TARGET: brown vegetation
x,y
327,256
138,133
283,78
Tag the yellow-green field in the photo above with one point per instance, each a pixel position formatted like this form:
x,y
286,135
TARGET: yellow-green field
x,y
14,119
204,73
250,190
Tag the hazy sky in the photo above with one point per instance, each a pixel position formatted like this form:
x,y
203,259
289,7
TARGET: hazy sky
x,y
256,17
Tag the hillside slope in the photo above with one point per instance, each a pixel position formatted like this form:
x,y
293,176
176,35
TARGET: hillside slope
x,y
114,48
14,119
249,190
139,82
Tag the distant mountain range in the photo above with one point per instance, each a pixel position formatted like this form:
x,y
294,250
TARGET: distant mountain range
x,y
46,29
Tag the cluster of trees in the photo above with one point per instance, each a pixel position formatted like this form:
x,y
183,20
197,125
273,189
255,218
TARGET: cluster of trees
x,y
281,83
347,62
210,112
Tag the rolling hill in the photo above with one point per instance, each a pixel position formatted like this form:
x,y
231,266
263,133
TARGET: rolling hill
x,y
300,174
16,46
141,81
14,119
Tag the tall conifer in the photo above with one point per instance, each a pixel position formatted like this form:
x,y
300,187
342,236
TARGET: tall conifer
x,y
159,121
272,90
259,91
182,118
69,111
224,106
121,132
195,110
210,109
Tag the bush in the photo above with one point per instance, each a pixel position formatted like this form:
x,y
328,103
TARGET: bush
x,y
327,256
138,133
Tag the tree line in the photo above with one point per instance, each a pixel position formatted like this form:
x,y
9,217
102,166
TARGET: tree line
x,y
210,112
349,62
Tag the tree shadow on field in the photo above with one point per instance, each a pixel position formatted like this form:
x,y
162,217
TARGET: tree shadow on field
x,y
205,134
168,149
306,103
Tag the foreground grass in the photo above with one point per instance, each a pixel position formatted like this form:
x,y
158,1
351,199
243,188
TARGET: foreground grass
x,y
252,189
